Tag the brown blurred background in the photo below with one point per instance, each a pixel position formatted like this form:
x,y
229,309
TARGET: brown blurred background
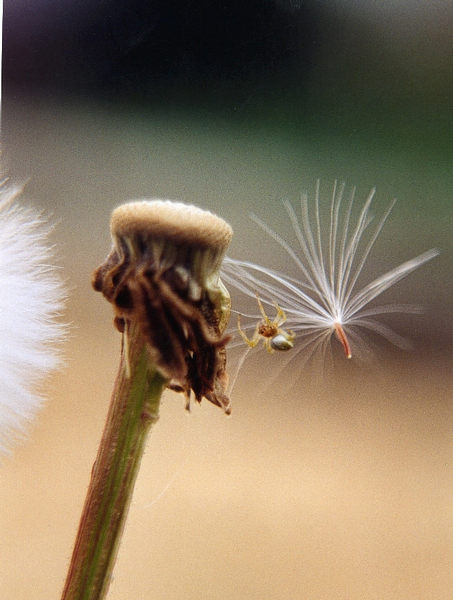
x,y
340,488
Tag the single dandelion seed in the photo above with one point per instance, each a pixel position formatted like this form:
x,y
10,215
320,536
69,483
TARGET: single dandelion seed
x,y
31,300
326,299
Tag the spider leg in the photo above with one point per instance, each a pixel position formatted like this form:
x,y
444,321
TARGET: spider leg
x,y
291,335
262,311
280,317
252,342
267,345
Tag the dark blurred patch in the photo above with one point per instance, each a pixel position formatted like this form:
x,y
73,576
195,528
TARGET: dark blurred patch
x,y
212,48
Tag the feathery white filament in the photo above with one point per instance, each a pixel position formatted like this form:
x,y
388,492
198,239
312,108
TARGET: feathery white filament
x,y
31,299
325,300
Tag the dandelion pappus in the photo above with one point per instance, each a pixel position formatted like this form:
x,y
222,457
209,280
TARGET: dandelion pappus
x,y
327,297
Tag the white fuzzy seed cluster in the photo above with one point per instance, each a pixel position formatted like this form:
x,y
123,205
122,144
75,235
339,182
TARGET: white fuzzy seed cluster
x,y
31,299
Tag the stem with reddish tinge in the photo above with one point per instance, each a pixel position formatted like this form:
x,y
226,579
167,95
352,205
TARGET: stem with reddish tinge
x,y
341,335
134,408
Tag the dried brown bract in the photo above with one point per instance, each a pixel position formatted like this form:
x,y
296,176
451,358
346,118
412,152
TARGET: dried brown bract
x,y
163,274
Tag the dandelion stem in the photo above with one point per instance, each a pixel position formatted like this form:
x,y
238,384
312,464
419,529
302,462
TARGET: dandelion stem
x,y
133,410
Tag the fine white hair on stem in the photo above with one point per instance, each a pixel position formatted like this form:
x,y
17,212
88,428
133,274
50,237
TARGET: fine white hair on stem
x,y
31,301
330,255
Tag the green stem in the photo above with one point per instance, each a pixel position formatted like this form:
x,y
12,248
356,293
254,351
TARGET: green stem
x,y
133,409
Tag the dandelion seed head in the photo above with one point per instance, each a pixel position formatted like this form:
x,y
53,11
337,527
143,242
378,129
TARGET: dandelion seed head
x,y
327,300
31,300
162,275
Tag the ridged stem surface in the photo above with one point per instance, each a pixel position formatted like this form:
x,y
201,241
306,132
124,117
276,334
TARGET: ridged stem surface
x,y
133,410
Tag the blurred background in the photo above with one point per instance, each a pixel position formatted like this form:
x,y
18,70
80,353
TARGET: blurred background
x,y
340,488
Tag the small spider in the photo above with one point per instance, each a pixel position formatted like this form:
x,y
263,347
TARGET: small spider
x,y
274,338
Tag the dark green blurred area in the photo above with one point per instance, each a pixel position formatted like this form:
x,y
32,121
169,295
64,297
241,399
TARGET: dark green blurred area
x,y
368,90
